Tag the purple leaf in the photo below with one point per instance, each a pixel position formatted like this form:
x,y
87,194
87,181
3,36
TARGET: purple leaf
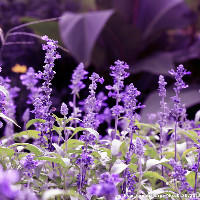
x,y
159,63
160,15
79,32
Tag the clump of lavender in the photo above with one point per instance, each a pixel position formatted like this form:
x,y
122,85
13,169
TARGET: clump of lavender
x,y
89,121
178,111
29,164
179,175
7,180
130,107
85,161
42,104
107,186
77,84
91,104
118,72
131,182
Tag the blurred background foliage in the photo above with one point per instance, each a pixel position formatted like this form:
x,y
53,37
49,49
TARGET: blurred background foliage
x,y
152,36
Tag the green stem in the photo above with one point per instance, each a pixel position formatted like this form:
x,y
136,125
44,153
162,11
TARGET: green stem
x,y
175,138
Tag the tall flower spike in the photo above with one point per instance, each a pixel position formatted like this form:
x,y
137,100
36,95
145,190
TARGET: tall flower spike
x,y
179,110
91,104
43,103
164,112
130,107
64,109
77,84
118,72
77,77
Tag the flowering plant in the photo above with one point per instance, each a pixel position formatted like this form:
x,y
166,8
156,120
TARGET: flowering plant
x,y
65,156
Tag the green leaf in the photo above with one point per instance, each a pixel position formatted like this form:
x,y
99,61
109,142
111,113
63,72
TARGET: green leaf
x,y
171,155
53,159
72,144
150,151
152,126
187,151
6,151
72,118
49,28
124,148
133,167
76,130
32,148
191,134
191,179
9,119
33,121
92,131
151,174
30,133
152,162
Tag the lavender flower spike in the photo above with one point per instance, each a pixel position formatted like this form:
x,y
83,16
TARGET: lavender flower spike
x,y
77,77
164,113
64,109
77,84
43,103
118,72
179,110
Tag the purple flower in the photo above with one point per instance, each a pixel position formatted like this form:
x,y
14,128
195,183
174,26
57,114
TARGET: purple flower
x,y
119,74
42,104
178,75
108,190
64,109
29,164
163,115
130,101
194,168
106,187
91,105
85,160
139,150
130,182
179,110
162,84
29,79
7,179
77,77
8,104
26,194
179,175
